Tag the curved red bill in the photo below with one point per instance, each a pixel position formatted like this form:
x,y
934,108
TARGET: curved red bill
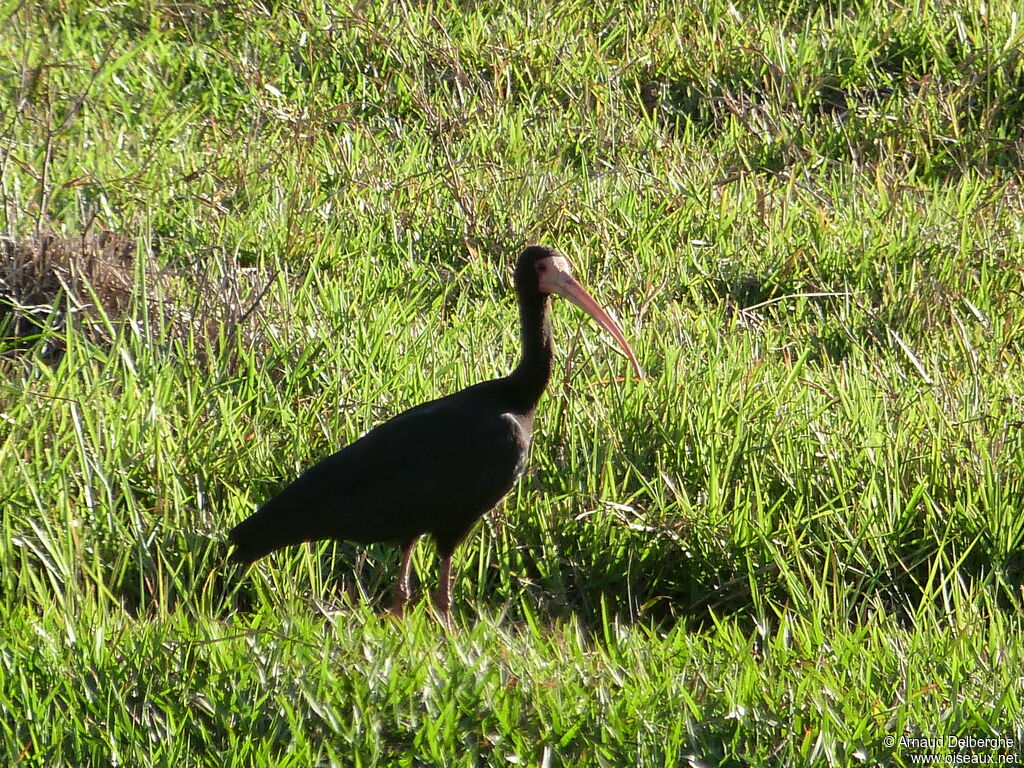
x,y
558,279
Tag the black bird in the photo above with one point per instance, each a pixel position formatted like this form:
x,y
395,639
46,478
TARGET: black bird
x,y
438,467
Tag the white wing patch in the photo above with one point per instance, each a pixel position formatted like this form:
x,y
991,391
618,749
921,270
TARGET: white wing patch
x,y
523,439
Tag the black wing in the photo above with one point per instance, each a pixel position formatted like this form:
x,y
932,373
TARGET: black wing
x,y
435,468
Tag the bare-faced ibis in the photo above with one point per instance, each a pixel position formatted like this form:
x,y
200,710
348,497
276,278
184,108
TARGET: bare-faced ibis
x,y
438,467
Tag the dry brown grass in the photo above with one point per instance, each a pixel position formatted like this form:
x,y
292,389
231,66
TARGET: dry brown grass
x,y
47,281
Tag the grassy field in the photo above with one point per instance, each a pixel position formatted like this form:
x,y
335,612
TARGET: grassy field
x,y
798,541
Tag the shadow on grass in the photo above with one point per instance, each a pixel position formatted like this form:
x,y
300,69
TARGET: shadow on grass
x,y
663,586
782,123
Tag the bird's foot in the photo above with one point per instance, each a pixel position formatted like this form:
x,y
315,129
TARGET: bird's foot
x,y
445,620
396,610
442,611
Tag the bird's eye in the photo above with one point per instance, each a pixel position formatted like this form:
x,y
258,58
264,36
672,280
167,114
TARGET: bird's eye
x,y
542,267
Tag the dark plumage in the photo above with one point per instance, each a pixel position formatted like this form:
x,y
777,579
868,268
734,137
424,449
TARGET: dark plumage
x,y
436,468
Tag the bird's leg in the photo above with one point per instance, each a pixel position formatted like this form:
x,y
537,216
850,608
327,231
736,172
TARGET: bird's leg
x,y
402,585
443,596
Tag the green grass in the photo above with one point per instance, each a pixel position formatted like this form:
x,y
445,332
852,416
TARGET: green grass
x,y
800,535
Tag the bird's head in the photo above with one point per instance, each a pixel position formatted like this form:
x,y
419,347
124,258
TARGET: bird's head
x,y
545,271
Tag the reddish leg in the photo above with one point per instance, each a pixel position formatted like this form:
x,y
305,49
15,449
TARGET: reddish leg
x,y
402,590
443,597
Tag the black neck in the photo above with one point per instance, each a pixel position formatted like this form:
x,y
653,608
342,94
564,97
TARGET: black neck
x,y
529,379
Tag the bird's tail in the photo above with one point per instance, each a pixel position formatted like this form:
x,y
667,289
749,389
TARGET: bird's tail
x,y
293,516
256,536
